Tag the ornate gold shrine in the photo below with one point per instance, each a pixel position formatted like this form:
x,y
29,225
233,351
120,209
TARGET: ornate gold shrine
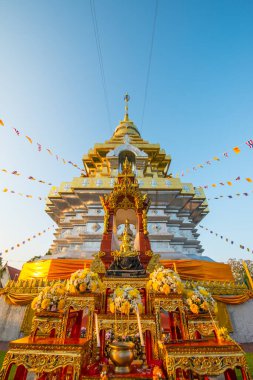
x,y
181,346
203,358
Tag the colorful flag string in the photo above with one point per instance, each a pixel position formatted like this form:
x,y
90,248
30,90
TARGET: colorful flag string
x,y
31,178
227,240
18,245
225,155
5,190
229,183
40,148
231,196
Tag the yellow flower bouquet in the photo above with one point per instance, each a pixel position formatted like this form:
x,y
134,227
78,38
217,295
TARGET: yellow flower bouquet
x,y
125,299
199,300
84,280
165,281
51,298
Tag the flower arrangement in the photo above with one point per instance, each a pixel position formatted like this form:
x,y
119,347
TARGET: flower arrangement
x,y
125,299
51,298
164,281
199,300
84,280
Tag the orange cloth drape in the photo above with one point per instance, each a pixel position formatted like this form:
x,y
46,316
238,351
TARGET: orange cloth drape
x,y
52,269
198,270
235,300
62,269
17,299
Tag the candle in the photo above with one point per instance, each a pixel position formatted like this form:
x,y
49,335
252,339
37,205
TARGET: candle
x,y
139,325
97,330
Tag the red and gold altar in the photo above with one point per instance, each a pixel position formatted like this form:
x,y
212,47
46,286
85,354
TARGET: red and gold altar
x,y
126,314
121,296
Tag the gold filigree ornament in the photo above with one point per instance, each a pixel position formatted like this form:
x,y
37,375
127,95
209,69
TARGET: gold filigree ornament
x,y
154,262
97,264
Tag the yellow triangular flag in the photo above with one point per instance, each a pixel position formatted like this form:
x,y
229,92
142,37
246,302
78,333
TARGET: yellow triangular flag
x,y
249,179
236,149
29,139
1,123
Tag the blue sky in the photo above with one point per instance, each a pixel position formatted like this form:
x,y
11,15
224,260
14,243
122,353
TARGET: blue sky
x,y
199,101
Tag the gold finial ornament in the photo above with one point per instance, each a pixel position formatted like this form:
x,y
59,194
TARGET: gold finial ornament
x,y
126,98
127,167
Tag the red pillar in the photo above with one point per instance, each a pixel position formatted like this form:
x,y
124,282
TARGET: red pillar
x,y
244,374
21,373
230,374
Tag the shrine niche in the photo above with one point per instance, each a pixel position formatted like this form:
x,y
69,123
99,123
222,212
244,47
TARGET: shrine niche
x,y
125,202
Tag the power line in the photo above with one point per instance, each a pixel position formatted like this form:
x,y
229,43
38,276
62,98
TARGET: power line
x,y
149,63
100,60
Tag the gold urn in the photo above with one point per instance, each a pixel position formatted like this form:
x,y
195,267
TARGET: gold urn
x,y
122,355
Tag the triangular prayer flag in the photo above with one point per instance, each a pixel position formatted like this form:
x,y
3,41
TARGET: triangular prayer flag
x,y
31,178
39,147
222,184
213,185
249,143
1,123
4,170
49,151
29,139
216,159
229,183
16,131
225,154
249,179
236,149
5,190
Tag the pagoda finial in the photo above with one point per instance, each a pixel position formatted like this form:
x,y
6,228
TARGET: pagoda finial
x,y
126,98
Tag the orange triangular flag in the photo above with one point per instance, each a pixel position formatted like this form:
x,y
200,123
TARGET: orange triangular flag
x,y
236,149
214,185
249,179
29,139
229,183
1,123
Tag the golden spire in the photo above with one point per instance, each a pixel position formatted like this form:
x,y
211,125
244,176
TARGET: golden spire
x,y
126,98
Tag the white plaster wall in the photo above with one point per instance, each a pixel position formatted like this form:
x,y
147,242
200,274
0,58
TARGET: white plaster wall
x,y
11,318
242,321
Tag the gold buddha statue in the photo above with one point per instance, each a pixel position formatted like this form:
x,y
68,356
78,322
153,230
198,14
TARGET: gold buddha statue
x,y
126,247
126,260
